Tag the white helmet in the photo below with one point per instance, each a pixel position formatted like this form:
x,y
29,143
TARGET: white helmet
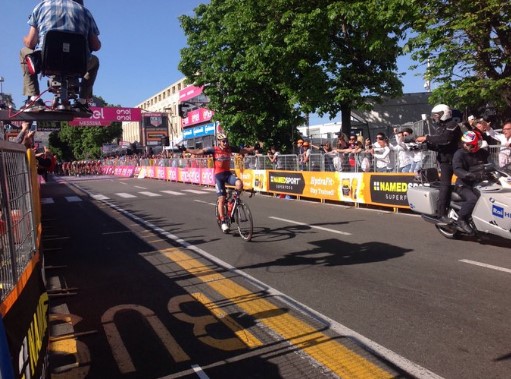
x,y
221,136
441,112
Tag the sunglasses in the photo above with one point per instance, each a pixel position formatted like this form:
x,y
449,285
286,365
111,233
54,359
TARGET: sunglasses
x,y
224,141
379,137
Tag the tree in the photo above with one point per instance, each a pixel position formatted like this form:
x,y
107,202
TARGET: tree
x,y
468,47
267,63
78,143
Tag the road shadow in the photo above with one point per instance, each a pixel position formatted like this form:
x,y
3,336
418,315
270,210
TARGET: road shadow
x,y
335,252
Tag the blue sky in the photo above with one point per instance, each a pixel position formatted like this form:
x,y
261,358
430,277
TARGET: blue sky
x,y
140,54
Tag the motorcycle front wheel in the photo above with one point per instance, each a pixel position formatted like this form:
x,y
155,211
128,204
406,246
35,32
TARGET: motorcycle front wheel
x,y
448,231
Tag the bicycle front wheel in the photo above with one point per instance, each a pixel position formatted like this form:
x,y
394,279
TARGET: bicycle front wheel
x,y
243,219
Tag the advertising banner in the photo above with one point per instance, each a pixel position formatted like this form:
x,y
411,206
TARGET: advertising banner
x,y
171,174
124,171
207,176
364,188
291,182
160,173
104,116
321,185
189,93
26,327
389,189
197,116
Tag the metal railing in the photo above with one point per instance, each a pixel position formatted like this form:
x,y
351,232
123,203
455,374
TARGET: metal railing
x,y
17,216
318,161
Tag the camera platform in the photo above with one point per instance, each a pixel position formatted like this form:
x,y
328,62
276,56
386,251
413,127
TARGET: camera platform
x,y
44,115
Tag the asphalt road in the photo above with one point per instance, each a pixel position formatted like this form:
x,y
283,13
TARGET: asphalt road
x,y
130,261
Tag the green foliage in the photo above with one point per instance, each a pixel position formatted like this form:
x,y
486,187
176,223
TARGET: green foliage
x,y
468,47
79,143
267,63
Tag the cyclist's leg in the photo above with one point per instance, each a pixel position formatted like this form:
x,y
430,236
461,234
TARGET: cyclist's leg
x,y
220,180
233,180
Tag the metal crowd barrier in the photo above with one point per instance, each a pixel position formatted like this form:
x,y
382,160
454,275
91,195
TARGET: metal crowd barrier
x,y
318,161
17,216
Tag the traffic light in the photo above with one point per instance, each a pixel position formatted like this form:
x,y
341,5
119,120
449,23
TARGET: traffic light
x,y
165,141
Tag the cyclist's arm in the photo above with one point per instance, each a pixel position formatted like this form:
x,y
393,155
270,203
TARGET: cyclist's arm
x,y
196,151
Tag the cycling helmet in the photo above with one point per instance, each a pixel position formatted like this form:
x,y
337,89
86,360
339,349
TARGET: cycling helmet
x,y
471,141
221,136
441,112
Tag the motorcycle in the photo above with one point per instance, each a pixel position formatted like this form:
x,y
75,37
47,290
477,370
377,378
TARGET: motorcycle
x,y
491,215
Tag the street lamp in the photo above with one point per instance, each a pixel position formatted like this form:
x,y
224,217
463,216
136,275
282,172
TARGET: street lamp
x,y
1,84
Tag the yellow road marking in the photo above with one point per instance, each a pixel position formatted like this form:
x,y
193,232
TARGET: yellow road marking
x,y
250,340
322,348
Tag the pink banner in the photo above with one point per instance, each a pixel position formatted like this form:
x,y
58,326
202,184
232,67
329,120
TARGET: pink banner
x,y
197,116
160,173
195,175
189,93
125,171
172,174
104,116
207,177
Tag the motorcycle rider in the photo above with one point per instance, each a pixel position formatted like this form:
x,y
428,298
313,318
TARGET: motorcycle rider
x,y
444,140
468,157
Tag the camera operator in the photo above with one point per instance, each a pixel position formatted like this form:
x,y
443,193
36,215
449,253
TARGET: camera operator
x,y
444,140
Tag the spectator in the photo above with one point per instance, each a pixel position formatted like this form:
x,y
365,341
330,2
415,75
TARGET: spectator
x,y
275,159
505,145
341,141
69,15
404,155
417,153
329,154
305,157
44,163
485,133
26,135
381,153
351,153
367,156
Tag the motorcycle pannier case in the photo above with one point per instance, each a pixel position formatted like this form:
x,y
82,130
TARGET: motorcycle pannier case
x,y
423,199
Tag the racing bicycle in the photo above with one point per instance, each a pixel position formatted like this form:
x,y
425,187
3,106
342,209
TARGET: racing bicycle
x,y
237,212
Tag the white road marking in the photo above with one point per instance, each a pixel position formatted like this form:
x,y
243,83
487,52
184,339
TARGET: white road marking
x,y
150,194
47,200
140,187
200,373
73,199
311,226
400,361
125,195
475,263
173,193
196,191
100,197
204,202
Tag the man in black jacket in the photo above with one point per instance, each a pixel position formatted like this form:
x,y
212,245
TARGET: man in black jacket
x,y
465,163
444,140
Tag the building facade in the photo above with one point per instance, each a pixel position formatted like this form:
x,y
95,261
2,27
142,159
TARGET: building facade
x,y
163,105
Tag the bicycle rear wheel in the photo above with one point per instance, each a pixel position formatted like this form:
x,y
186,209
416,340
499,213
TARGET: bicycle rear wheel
x,y
243,219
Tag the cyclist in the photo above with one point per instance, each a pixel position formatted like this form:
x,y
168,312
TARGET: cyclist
x,y
223,174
